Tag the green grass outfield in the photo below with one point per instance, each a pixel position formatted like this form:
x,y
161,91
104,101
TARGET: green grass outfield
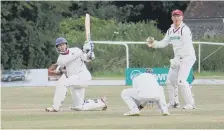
x,y
23,108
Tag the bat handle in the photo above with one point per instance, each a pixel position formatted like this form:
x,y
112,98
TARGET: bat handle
x,y
64,72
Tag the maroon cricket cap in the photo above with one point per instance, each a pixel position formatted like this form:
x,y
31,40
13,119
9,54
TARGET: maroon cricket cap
x,y
177,12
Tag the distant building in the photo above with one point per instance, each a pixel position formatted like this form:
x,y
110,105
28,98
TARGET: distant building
x,y
205,18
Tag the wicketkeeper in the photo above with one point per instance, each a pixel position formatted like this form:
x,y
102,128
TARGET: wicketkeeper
x,y
179,35
145,89
74,75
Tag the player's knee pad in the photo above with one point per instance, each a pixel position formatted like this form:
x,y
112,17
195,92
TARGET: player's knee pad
x,y
186,92
171,81
77,95
170,86
168,82
180,82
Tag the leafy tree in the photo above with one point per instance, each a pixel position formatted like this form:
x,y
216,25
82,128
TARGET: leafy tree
x,y
28,33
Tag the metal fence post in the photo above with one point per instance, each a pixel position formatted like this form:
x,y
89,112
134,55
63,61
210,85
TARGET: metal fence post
x,y
125,43
199,58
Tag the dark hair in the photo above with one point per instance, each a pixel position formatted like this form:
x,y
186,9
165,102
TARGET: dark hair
x,y
149,70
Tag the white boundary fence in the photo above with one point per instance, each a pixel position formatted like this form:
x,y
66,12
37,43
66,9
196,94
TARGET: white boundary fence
x,y
125,43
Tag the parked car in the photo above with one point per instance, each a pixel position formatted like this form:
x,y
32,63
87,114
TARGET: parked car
x,y
13,76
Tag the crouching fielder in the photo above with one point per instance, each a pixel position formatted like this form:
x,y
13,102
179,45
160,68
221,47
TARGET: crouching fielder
x,y
145,89
76,76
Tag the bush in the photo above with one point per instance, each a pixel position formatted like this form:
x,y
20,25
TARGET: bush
x,y
113,57
214,62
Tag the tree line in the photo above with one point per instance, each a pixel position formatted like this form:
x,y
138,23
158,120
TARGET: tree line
x,y
29,30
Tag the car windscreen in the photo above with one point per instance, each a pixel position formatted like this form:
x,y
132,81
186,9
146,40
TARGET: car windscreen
x,y
18,73
7,72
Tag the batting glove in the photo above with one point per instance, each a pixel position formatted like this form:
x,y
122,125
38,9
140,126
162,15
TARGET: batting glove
x,y
91,56
86,47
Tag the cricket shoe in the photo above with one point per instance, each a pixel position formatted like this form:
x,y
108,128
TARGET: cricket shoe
x,y
132,113
189,107
165,112
176,105
51,109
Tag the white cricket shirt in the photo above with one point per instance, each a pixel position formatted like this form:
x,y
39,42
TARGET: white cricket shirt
x,y
74,61
147,86
181,39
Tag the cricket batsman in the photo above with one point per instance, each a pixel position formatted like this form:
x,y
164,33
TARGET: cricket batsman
x,y
179,35
76,76
145,89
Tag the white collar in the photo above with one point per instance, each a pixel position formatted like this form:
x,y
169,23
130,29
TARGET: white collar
x,y
181,24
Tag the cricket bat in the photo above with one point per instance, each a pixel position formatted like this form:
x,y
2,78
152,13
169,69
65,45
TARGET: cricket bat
x,y
88,36
87,28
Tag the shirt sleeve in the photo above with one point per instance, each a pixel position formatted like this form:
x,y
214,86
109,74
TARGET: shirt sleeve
x,y
186,35
58,61
83,55
163,43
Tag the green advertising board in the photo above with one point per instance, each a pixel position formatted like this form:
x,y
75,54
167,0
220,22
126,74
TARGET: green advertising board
x,y
160,73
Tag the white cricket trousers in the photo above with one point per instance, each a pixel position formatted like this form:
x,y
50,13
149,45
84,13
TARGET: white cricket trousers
x,y
177,77
77,84
132,99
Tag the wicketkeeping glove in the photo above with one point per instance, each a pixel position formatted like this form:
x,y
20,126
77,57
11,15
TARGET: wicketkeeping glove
x,y
150,40
174,63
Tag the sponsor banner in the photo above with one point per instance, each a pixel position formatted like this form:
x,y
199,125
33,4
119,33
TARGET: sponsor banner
x,y
160,73
29,77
